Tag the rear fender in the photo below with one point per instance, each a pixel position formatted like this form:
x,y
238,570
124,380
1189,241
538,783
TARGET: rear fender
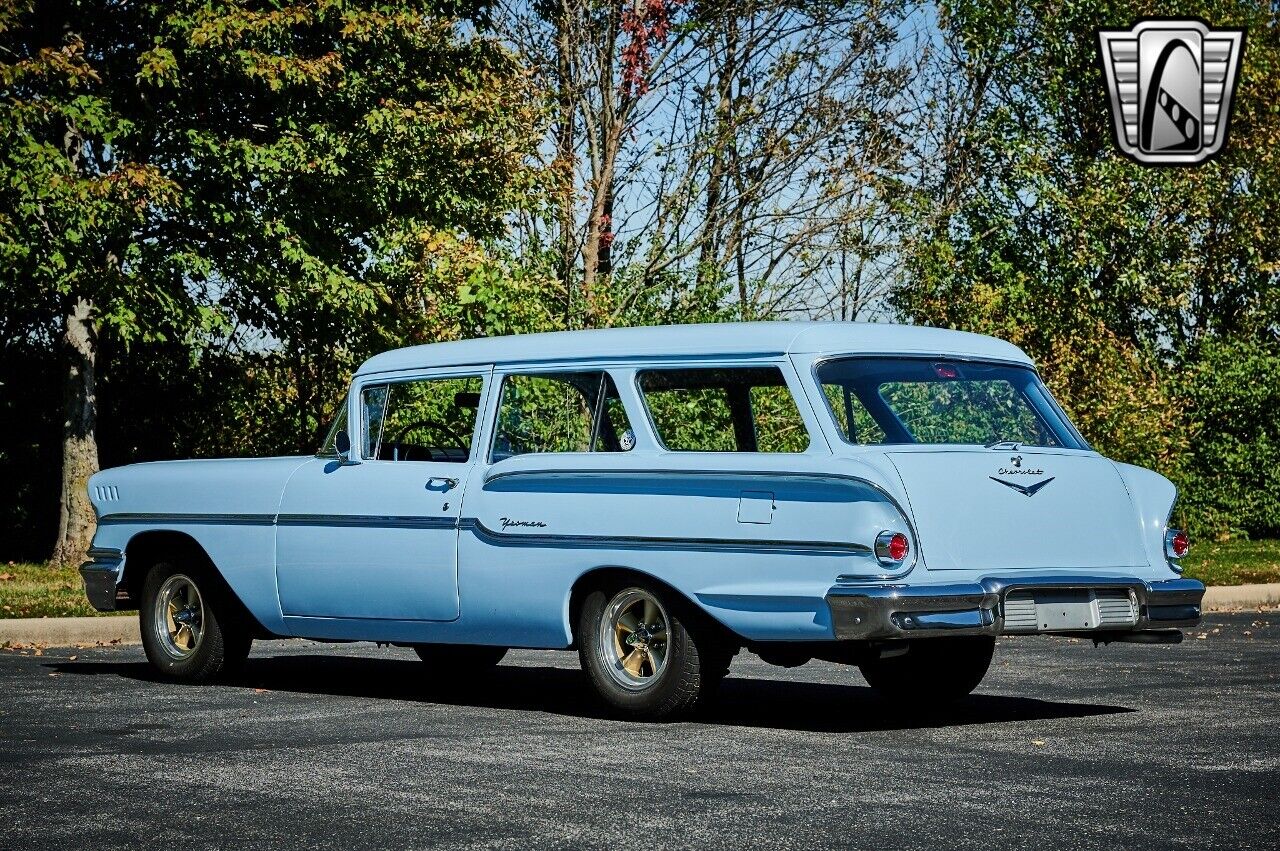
x,y
1153,498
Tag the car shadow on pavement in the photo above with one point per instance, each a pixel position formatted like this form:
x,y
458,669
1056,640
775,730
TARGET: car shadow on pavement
x,y
741,701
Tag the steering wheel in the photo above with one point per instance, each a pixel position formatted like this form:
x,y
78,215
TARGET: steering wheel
x,y
462,443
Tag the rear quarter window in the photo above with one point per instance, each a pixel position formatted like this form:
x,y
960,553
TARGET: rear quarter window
x,y
723,409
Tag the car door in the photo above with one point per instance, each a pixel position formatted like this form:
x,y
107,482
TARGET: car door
x,y
377,537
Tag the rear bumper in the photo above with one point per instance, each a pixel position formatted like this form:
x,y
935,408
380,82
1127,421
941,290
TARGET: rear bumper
x,y
101,575
862,612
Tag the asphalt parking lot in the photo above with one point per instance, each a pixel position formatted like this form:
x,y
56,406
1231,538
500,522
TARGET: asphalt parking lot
x,y
326,746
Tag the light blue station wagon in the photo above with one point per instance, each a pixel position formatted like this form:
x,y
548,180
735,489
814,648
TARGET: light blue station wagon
x,y
660,498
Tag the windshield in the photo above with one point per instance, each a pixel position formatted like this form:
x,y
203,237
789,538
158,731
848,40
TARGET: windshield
x,y
917,400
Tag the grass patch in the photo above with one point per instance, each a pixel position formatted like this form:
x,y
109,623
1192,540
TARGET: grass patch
x,y
41,591
1234,562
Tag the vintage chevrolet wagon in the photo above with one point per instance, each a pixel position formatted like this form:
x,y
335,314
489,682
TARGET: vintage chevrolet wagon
x,y
659,499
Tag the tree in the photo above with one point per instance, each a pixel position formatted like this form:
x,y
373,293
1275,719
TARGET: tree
x,y
1120,278
705,145
210,172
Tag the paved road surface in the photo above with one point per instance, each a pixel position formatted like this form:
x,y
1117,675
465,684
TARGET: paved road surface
x,y
339,746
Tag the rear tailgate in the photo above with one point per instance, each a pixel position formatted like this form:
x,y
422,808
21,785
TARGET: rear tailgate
x,y
1000,510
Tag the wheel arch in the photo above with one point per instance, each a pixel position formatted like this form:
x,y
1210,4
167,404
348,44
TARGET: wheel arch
x,y
606,575
148,547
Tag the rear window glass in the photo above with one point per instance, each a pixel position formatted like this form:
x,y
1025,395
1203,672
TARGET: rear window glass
x,y
730,409
906,400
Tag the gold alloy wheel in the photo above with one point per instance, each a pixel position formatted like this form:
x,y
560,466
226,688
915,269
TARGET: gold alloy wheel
x,y
633,638
179,616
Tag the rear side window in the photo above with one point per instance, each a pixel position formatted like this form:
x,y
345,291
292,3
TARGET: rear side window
x,y
724,409
560,412
910,400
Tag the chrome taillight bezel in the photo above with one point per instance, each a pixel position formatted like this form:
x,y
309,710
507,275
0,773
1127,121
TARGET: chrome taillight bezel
x,y
1170,547
884,547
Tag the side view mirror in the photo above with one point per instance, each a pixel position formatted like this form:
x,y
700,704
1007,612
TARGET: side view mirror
x,y
342,443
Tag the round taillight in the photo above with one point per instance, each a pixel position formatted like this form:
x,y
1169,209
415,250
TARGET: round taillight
x,y
1176,543
892,547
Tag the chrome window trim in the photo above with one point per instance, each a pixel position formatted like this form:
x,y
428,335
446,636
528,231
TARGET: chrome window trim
x,y
601,362
360,382
500,375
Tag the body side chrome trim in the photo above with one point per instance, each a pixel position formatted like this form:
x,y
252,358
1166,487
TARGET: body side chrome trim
x,y
210,519
502,538
671,471
541,539
367,521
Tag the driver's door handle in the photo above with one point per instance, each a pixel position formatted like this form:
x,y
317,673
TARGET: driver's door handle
x,y
442,481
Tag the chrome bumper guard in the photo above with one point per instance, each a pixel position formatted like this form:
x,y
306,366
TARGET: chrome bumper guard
x,y
866,611
101,575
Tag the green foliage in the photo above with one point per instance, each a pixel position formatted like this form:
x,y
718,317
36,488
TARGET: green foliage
x,y
846,407
1119,278
977,412
702,410
258,194
1232,478
559,412
43,591
1233,562
422,420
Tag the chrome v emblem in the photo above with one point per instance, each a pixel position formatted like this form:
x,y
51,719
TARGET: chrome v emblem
x,y
1025,490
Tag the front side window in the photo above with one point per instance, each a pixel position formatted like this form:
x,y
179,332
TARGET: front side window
x,y
560,412
431,419
724,409
915,400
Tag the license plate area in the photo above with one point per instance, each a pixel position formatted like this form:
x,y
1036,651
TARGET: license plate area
x,y
1057,610
1068,609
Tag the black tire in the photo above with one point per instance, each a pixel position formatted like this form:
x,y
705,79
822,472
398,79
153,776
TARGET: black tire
x,y
454,660
224,639
932,670
692,663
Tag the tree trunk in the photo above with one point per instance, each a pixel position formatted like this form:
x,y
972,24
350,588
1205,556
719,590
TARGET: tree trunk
x,y
76,520
566,164
724,132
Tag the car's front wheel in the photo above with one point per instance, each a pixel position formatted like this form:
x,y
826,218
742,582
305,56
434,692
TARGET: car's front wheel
x,y
191,629
643,655
935,669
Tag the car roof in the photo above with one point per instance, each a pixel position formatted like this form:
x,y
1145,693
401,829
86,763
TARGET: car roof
x,y
728,339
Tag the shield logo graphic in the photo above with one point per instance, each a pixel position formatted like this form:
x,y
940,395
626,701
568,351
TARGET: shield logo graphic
x,y
1170,83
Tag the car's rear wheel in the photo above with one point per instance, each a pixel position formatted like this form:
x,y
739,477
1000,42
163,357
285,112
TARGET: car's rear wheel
x,y
451,660
191,628
935,669
643,653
